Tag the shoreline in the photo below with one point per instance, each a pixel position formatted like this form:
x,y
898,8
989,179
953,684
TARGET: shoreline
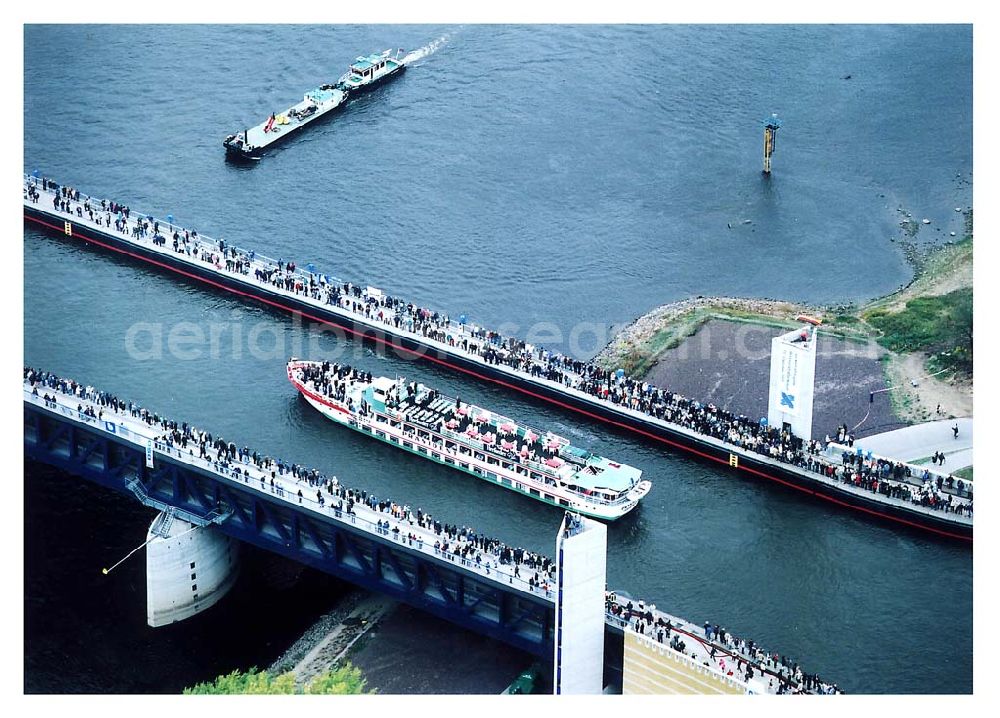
x,y
323,646
917,386
370,632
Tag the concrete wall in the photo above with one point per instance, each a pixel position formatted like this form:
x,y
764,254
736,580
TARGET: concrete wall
x,y
188,571
581,563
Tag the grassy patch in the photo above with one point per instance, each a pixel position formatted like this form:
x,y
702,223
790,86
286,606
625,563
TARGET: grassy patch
x,y
937,325
916,318
902,401
965,474
638,361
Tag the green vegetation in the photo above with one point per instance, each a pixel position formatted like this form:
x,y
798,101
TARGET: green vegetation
x,y
639,361
928,320
965,474
902,401
937,325
345,680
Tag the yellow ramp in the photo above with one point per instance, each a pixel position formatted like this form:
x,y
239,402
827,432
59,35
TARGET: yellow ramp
x,y
654,668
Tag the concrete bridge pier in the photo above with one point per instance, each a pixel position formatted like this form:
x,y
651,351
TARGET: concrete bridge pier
x,y
188,568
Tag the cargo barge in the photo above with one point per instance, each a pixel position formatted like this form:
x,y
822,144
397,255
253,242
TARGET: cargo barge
x,y
364,74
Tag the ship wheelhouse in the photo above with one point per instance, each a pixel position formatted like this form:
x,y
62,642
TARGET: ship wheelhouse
x,y
365,69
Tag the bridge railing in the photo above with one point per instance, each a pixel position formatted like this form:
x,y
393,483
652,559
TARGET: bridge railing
x,y
835,452
702,646
286,489
458,329
568,386
172,226
364,518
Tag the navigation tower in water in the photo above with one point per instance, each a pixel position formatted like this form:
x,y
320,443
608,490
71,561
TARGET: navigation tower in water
x,y
771,126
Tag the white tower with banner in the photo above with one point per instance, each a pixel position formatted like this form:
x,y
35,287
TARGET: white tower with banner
x,y
793,378
581,573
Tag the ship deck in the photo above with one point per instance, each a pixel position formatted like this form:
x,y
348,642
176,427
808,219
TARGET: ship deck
x,y
428,415
258,139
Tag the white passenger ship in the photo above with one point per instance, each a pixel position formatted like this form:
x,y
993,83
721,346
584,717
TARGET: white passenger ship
x,y
422,421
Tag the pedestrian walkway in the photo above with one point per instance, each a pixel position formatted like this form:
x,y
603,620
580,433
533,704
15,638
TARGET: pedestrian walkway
x,y
640,403
917,443
490,559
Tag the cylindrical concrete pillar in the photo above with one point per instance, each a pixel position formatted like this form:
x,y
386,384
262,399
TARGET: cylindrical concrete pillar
x,y
188,569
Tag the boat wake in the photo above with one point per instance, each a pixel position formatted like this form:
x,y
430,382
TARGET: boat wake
x,y
428,49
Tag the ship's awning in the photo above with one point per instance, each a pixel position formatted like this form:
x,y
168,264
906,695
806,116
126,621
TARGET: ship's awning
x,y
318,95
577,452
600,473
383,384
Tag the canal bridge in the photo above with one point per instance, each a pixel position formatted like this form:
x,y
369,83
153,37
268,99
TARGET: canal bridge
x,y
120,452
122,457
452,345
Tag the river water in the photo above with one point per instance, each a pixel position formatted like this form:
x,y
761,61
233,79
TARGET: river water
x,y
551,181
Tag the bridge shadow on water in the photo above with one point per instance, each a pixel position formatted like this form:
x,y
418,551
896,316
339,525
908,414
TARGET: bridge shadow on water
x,y
91,636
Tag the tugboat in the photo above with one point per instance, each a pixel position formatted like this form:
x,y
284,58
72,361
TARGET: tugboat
x,y
415,418
364,74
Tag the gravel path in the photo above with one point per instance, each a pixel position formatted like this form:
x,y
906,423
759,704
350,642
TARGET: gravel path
x,y
401,650
322,645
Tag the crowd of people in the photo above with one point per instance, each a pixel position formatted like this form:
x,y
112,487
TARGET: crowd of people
x,y
333,380
740,658
413,527
461,544
492,347
892,478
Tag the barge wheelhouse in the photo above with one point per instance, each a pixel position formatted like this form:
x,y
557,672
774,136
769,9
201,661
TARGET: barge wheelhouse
x,y
368,71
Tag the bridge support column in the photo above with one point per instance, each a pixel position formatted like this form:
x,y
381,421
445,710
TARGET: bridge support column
x,y
581,568
188,568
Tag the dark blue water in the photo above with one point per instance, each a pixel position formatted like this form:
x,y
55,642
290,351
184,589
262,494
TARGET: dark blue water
x,y
576,176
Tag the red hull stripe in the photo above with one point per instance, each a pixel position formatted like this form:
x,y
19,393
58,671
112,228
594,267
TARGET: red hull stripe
x,y
317,397
501,382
